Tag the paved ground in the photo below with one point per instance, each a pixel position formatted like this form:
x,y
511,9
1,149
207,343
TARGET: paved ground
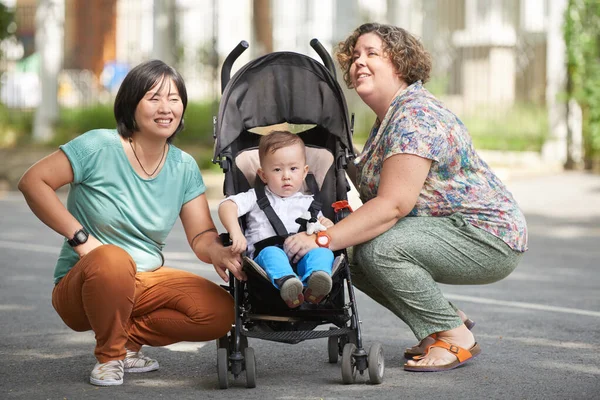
x,y
539,328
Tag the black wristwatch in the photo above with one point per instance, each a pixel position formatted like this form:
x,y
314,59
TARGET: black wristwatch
x,y
80,237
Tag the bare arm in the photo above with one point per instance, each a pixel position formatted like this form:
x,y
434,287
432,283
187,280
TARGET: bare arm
x,y
39,185
401,181
228,211
204,239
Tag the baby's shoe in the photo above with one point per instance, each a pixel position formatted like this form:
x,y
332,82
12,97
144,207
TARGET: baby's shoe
x,y
318,286
291,292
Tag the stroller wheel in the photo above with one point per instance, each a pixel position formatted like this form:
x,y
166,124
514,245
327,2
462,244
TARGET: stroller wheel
x,y
333,349
250,367
376,363
222,367
348,364
243,343
223,343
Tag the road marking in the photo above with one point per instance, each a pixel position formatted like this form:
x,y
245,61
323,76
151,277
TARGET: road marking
x,y
38,248
519,304
195,265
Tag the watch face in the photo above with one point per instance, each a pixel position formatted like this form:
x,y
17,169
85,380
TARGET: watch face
x,y
81,237
322,240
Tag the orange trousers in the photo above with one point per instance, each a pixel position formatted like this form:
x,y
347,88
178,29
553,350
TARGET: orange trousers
x,y
125,309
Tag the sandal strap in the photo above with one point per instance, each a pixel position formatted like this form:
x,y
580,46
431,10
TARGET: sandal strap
x,y
460,353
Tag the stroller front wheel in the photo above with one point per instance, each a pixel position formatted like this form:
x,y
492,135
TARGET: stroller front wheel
x,y
250,361
222,367
376,364
348,364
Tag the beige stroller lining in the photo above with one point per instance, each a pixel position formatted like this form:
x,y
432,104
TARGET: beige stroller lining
x,y
319,160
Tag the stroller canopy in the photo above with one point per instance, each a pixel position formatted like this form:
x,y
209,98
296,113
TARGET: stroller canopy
x,y
281,87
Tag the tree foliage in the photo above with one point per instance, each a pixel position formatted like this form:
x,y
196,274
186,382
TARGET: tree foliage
x,y
6,18
582,37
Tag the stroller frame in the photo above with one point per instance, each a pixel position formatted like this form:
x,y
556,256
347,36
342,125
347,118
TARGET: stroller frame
x,y
345,339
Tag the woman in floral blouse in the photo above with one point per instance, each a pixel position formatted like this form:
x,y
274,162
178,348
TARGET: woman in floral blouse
x,y
433,210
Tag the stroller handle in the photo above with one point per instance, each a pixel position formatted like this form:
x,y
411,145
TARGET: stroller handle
x,y
228,63
315,44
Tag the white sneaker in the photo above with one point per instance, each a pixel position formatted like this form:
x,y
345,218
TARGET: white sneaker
x,y
107,374
137,362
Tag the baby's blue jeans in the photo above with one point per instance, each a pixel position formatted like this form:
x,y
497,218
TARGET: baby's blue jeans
x,y
277,265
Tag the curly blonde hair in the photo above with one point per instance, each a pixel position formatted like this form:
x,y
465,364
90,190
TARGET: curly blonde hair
x,y
407,54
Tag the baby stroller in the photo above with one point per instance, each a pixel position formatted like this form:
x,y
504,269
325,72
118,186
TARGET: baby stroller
x,y
289,88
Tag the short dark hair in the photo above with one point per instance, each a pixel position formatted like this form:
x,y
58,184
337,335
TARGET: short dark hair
x,y
135,86
410,59
276,140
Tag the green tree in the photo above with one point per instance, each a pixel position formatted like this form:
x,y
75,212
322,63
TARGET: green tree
x,y
6,19
582,37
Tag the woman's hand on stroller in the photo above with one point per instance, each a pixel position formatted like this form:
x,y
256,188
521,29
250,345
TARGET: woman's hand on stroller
x,y
296,246
225,260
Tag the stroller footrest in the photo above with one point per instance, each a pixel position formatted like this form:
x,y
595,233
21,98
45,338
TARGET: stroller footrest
x,y
294,336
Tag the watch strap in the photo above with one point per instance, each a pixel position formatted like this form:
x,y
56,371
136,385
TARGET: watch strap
x,y
322,235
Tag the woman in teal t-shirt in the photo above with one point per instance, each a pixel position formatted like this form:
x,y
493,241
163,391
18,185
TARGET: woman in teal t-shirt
x,y
127,188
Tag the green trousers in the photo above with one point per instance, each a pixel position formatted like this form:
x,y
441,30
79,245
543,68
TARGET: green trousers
x,y
401,267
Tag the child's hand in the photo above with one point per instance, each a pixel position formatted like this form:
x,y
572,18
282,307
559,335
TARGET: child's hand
x,y
326,222
238,244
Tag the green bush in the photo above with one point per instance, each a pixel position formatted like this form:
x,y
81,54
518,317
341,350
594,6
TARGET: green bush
x,y
198,123
523,127
582,37
15,127
75,121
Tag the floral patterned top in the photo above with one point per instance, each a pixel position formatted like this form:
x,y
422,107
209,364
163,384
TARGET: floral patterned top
x,y
459,181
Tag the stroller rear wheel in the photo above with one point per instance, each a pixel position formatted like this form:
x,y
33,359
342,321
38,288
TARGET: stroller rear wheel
x,y
333,349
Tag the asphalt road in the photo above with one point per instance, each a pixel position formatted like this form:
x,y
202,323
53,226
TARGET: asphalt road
x,y
539,329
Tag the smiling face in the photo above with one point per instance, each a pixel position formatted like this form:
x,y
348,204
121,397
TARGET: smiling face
x,y
372,73
284,170
160,110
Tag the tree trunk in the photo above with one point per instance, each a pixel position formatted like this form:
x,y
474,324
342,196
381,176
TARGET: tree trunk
x,y
262,27
164,32
49,38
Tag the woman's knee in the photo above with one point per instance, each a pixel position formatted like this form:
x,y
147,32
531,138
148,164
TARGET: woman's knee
x,y
225,319
109,262
222,310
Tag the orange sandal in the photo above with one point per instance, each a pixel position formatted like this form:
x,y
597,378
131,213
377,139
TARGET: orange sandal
x,y
418,350
462,356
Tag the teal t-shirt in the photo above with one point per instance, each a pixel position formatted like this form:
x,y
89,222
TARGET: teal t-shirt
x,y
117,206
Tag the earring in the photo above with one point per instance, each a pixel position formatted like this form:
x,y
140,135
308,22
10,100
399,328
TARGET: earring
x,y
135,128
